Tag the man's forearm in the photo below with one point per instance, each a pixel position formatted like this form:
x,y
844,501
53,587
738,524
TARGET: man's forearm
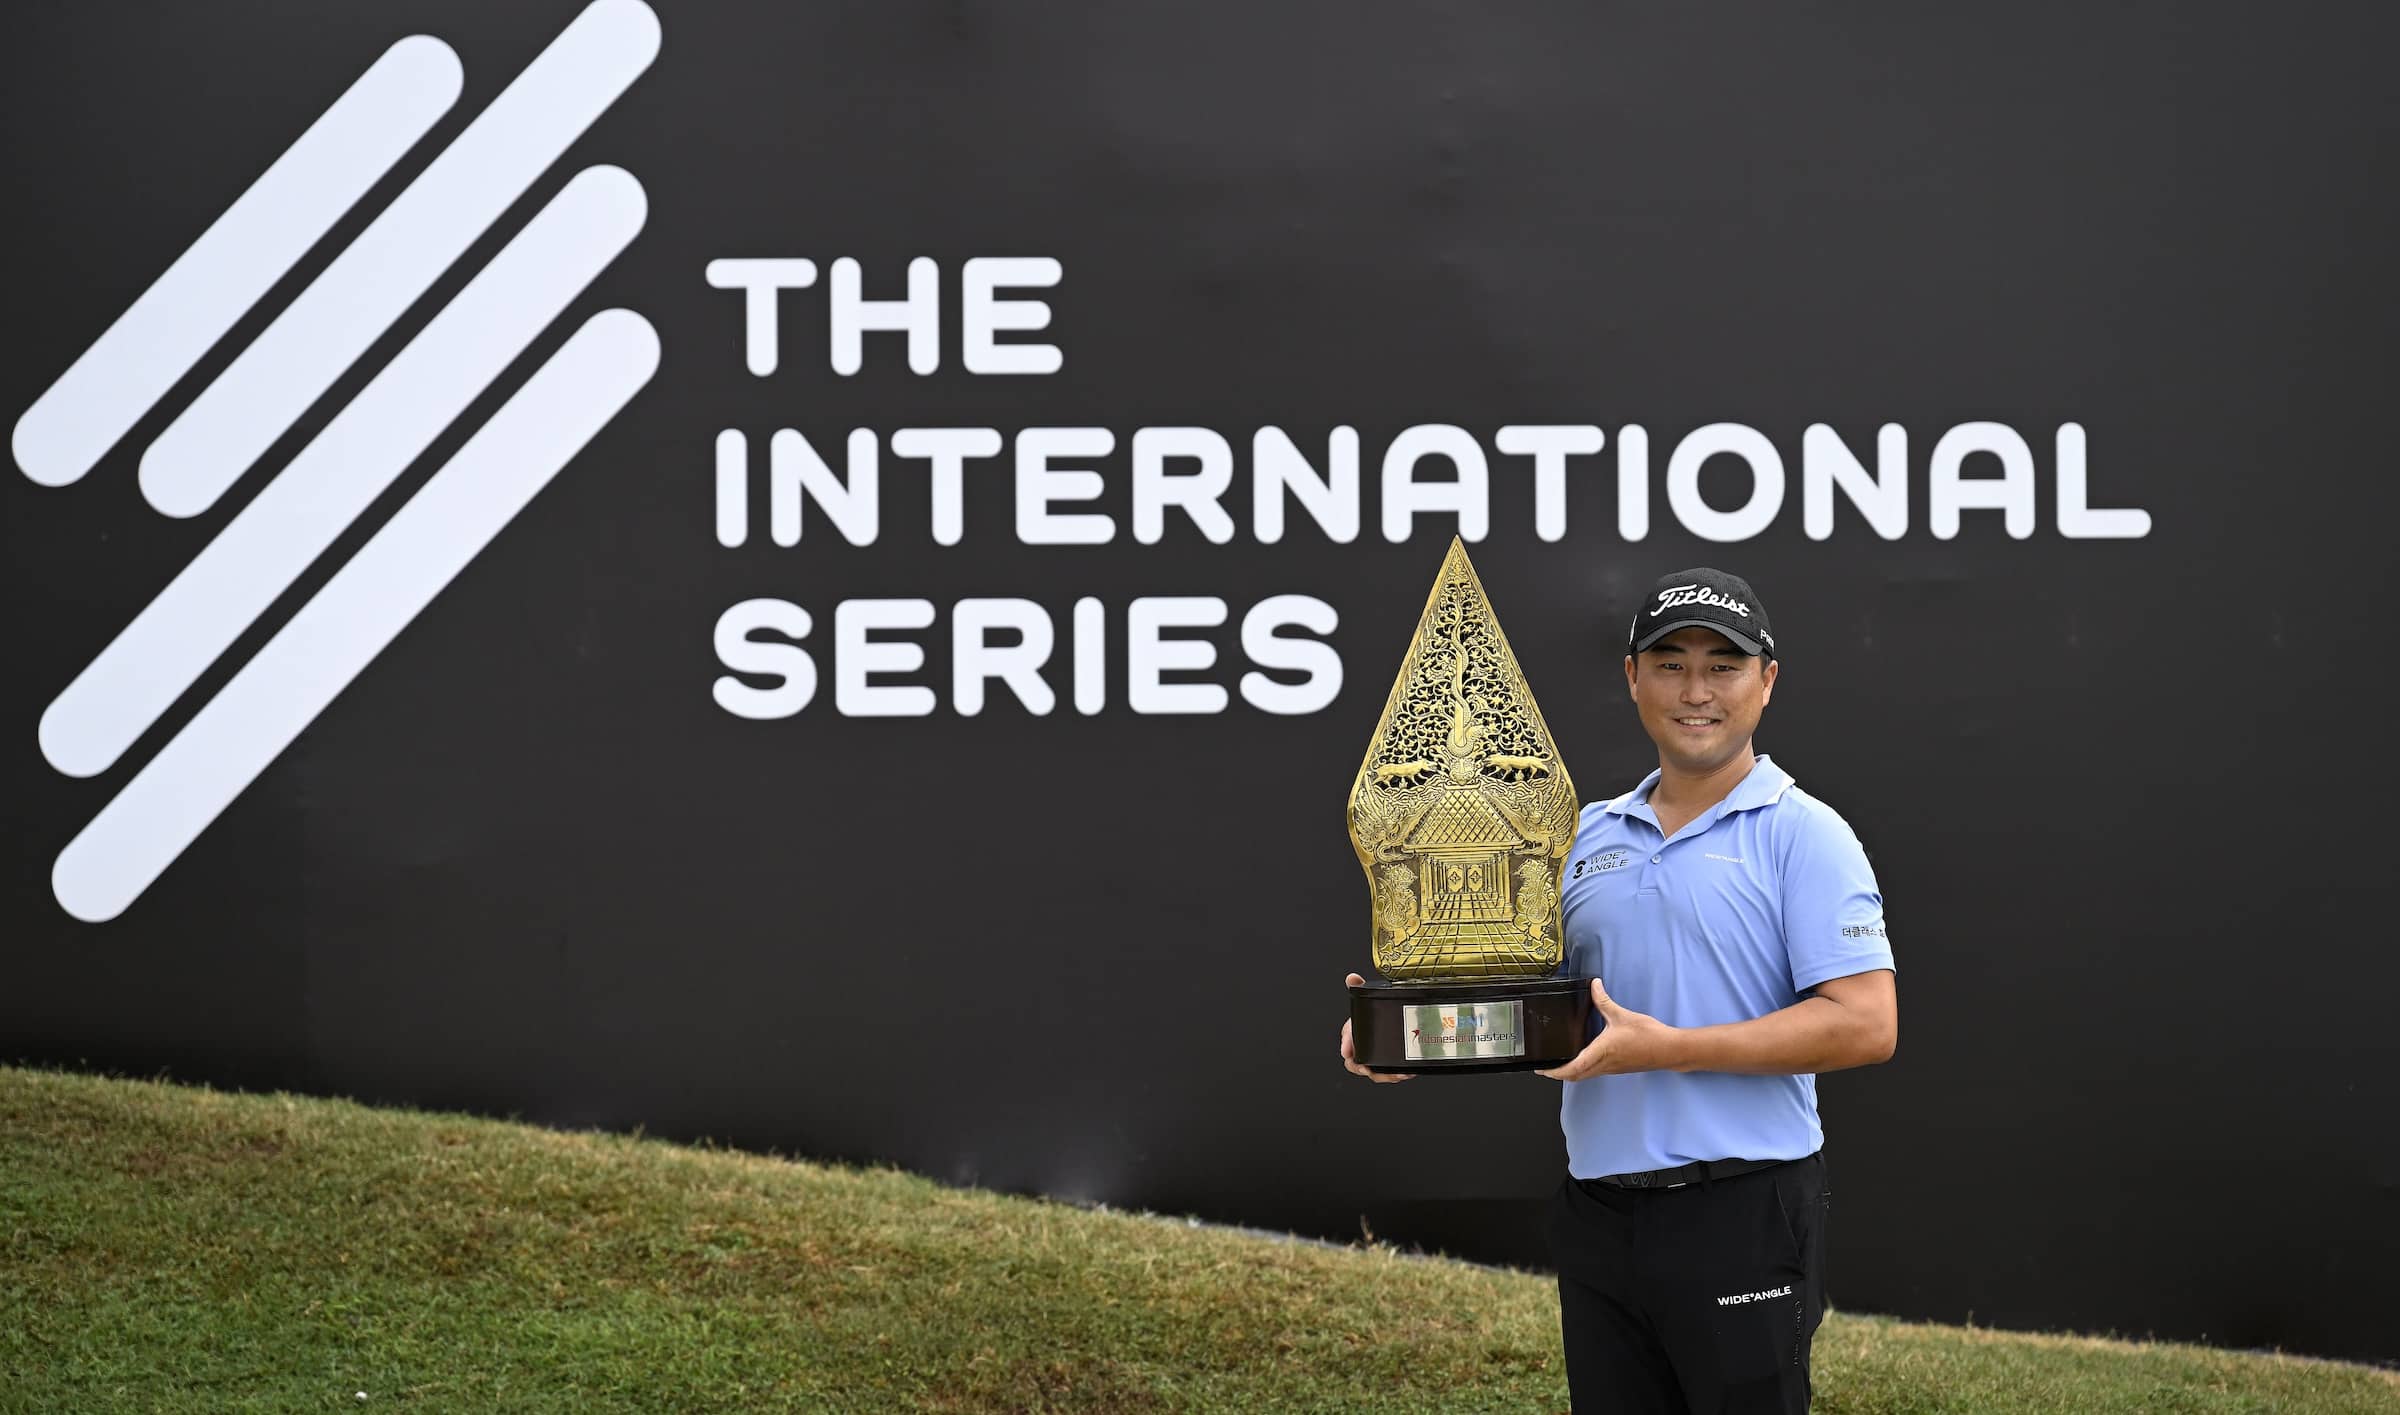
x,y
1814,1034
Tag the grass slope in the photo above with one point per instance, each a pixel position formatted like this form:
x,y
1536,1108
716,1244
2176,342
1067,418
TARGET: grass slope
x,y
164,1248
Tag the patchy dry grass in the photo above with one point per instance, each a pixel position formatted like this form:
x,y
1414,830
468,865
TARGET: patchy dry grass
x,y
172,1249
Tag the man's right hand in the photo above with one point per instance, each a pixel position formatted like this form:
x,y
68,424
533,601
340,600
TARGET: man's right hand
x,y
1350,1058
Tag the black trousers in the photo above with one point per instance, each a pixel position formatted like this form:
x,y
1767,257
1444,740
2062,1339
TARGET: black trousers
x,y
1699,1300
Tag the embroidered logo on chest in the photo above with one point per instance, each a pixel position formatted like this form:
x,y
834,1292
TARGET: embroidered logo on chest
x,y
1602,863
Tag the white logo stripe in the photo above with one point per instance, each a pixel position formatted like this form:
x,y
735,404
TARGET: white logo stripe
x,y
246,250
361,609
401,252
369,443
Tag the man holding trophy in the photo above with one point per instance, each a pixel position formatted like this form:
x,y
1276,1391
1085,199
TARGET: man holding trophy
x,y
1723,941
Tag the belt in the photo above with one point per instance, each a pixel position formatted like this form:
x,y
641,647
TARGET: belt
x,y
1682,1174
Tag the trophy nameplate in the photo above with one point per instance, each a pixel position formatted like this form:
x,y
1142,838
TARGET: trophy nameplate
x,y
1462,814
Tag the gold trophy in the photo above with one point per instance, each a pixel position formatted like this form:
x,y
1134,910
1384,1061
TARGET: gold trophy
x,y
1462,814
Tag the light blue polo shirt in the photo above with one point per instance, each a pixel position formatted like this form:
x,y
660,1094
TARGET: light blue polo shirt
x,y
1763,896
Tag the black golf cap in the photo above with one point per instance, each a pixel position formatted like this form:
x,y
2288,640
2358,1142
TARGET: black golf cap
x,y
1703,599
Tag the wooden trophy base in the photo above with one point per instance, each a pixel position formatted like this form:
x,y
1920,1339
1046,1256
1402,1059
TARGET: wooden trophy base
x,y
1471,1026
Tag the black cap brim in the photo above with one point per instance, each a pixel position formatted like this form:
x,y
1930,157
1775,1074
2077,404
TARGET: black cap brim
x,y
1742,641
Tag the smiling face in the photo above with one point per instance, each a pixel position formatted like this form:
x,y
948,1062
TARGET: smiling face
x,y
1700,698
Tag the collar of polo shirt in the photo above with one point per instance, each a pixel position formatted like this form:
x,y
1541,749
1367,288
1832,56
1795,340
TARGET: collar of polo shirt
x,y
1764,786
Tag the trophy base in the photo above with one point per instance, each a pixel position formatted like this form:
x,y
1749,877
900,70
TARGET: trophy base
x,y
1501,1025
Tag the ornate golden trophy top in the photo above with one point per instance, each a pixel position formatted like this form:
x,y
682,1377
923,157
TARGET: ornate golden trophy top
x,y
1462,811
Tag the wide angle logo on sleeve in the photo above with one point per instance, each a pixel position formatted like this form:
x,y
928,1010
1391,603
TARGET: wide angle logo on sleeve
x,y
220,435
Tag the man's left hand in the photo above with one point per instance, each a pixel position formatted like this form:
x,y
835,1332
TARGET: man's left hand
x,y
1628,1041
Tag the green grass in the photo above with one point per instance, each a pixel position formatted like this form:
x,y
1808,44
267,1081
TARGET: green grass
x,y
166,1248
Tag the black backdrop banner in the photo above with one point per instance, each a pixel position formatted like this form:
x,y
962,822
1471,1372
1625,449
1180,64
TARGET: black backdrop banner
x,y
853,635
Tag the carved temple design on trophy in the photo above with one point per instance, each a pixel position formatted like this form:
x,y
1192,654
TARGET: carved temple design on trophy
x,y
1462,814
1462,810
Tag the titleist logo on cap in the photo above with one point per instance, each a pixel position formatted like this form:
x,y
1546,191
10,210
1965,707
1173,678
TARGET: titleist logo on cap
x,y
1697,594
